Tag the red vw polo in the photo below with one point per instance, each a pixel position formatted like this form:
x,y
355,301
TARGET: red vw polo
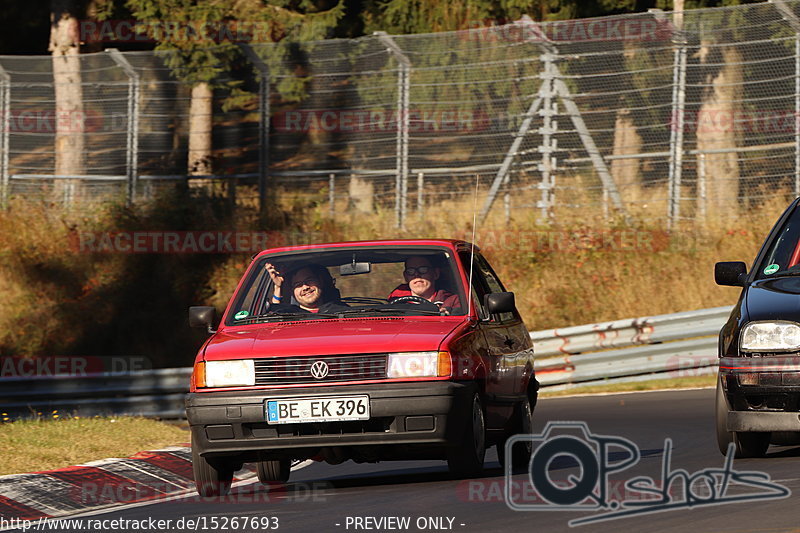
x,y
370,351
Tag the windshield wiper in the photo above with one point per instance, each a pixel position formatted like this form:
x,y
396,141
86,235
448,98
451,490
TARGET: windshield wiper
x,y
278,315
401,311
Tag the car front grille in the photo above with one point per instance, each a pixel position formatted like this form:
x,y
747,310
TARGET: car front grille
x,y
288,370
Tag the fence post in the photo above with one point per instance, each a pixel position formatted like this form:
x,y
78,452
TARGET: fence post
x,y
403,90
332,194
421,194
548,145
701,185
5,114
263,130
676,135
797,115
132,137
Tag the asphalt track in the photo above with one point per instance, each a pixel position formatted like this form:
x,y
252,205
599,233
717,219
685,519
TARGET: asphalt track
x,y
340,498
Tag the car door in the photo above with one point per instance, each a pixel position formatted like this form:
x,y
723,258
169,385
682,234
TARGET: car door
x,y
501,391
510,335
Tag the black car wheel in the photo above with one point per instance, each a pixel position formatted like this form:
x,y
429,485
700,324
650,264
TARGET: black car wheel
x,y
724,437
467,460
751,444
212,477
274,470
523,424
748,444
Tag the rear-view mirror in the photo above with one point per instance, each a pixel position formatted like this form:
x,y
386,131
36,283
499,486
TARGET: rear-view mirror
x,y
355,268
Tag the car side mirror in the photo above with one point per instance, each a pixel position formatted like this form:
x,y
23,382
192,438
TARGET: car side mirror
x,y
201,316
731,273
500,302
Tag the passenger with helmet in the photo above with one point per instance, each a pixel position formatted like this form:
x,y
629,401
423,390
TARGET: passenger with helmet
x,y
313,290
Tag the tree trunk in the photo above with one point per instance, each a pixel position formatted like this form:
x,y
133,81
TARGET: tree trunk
x,y
717,129
626,141
200,116
69,114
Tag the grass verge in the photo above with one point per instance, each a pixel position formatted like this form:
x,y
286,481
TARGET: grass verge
x,y
655,384
45,444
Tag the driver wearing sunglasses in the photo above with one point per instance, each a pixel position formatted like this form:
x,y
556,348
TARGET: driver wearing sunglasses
x,y
420,280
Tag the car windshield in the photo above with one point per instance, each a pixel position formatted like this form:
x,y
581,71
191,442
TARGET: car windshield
x,y
351,282
783,255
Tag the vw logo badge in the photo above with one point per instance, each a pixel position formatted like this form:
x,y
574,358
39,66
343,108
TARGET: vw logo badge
x,y
319,369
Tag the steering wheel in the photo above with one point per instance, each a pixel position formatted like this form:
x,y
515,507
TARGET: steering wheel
x,y
411,298
416,300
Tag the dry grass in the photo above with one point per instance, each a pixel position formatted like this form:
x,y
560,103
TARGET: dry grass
x,y
694,382
45,444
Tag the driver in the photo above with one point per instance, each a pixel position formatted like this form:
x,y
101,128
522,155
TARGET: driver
x,y
312,287
420,276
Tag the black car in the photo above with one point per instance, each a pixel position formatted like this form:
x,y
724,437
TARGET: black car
x,y
758,390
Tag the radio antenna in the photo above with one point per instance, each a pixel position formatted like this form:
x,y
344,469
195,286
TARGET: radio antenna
x,y
472,243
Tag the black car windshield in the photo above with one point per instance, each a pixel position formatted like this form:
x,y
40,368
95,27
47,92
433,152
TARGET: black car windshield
x,y
783,255
350,282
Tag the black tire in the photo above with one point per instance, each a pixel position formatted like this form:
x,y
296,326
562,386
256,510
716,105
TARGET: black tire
x,y
274,470
212,477
523,424
751,444
467,460
748,444
724,437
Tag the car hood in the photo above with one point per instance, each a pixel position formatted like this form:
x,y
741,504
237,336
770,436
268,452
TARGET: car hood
x,y
330,336
774,299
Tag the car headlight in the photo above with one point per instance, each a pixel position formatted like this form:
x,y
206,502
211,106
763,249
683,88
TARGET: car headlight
x,y
239,373
418,364
777,336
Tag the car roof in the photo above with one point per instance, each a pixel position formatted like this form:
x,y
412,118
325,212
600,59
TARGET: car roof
x,y
456,244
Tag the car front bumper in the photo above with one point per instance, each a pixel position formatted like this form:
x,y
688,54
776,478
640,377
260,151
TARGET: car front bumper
x,y
419,413
763,393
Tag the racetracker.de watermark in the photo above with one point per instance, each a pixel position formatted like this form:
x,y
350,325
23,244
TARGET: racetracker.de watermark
x,y
186,242
596,29
737,121
70,365
570,241
176,31
381,120
573,469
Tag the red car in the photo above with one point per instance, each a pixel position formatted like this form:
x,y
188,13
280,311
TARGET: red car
x,y
370,351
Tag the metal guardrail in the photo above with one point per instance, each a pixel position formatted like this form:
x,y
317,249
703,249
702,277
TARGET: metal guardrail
x,y
149,393
673,345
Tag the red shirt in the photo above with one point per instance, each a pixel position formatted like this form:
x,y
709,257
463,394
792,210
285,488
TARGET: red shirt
x,y
448,299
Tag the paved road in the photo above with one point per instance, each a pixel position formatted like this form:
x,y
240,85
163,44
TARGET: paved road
x,y
341,498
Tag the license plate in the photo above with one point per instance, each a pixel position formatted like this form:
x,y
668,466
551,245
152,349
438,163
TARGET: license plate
x,y
332,409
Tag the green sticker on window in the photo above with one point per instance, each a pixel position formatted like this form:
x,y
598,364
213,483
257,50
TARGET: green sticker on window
x,y
772,269
241,314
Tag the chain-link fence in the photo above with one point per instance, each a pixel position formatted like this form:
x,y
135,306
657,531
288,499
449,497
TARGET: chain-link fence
x,y
665,115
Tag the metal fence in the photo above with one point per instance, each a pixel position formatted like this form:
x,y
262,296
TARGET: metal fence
x,y
647,348
670,116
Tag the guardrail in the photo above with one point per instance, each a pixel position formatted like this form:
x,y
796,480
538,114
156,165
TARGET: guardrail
x,y
673,345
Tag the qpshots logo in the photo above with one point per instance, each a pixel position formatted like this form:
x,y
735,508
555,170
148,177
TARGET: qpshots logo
x,y
566,447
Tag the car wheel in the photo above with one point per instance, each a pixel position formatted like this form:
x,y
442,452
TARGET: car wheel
x,y
724,437
523,424
748,444
212,477
467,460
751,444
274,470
